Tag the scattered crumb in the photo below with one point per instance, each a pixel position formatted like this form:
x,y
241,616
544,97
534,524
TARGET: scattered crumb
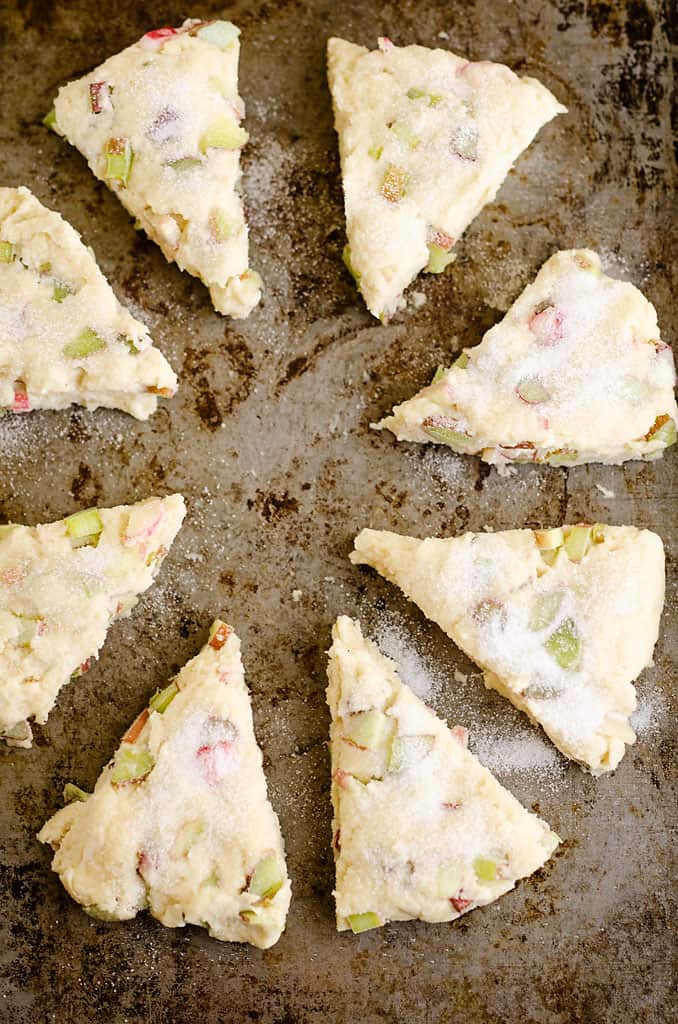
x,y
460,677
605,491
443,35
417,299
296,595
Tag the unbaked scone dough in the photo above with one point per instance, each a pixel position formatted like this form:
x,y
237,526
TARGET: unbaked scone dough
x,y
179,821
575,372
64,337
61,586
161,124
561,621
426,138
421,829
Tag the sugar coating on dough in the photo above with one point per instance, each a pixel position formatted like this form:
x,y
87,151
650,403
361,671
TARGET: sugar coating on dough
x,y
160,123
179,821
561,621
64,336
426,138
421,829
61,586
575,372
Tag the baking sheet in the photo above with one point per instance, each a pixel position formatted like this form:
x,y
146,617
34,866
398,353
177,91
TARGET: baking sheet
x,y
268,440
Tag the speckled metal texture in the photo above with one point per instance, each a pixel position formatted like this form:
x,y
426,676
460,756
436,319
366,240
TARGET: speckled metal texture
x,y
269,441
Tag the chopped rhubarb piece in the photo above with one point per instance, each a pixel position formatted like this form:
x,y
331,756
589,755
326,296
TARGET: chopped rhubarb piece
x,y
461,362
49,120
72,792
663,430
544,610
187,836
438,258
375,152
432,98
247,916
162,699
546,323
404,134
408,751
368,729
6,252
142,523
394,184
346,257
446,431
21,402
119,159
577,542
224,133
187,163
60,292
438,375
84,527
460,734
385,44
99,96
222,226
220,33
531,391
485,869
363,922
548,539
81,669
157,36
490,612
219,634
564,645
163,392
136,728
562,457
132,764
460,903
267,878
464,142
213,760
85,345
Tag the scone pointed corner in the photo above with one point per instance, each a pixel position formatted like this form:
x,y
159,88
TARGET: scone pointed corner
x,y
67,340
426,139
561,620
575,372
62,585
421,829
161,123
180,821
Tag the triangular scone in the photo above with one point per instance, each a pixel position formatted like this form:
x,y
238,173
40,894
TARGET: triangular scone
x,y
64,336
561,621
61,587
421,829
575,372
180,822
426,138
160,124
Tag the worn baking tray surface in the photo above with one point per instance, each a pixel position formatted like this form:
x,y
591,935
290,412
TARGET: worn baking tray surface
x,y
268,440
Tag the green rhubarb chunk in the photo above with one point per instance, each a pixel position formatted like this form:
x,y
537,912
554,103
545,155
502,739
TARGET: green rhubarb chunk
x,y
544,610
363,922
663,431
408,751
564,644
220,33
6,252
368,729
439,374
548,539
187,836
162,699
267,878
485,869
444,434
224,133
404,134
562,457
84,527
60,292
532,391
375,151
432,98
346,257
461,362
577,542
394,184
86,344
248,916
134,350
132,763
119,160
187,163
73,793
438,258
49,120
222,226
450,880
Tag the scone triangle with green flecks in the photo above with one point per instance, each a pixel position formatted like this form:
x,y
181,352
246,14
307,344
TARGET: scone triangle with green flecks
x,y
575,372
561,621
179,822
161,124
65,338
61,586
421,829
425,138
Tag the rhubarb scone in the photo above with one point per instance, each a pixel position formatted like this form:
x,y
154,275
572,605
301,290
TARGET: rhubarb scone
x,y
425,138
161,124
575,372
64,337
421,829
179,822
561,621
61,586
